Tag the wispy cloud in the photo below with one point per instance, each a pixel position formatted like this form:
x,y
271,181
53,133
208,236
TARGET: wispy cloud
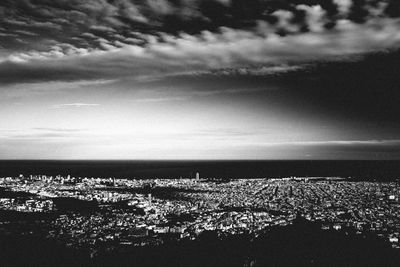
x,y
186,95
228,91
75,105
160,99
42,134
58,130
336,143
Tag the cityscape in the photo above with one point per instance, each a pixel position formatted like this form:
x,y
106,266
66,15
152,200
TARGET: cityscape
x,y
199,133
108,214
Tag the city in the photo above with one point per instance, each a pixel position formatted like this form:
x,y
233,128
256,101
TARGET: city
x,y
107,214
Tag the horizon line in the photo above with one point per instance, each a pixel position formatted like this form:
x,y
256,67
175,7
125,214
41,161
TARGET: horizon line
x,y
158,160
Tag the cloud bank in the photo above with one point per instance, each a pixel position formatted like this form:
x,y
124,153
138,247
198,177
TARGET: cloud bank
x,y
98,39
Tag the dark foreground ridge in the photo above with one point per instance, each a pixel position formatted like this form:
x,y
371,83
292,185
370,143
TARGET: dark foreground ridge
x,y
301,244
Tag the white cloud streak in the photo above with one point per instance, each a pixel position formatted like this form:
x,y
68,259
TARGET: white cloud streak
x,y
75,105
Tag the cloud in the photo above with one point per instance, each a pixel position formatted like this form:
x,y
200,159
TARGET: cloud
x,y
194,94
146,39
189,16
41,135
362,143
102,28
253,71
75,105
55,129
14,92
229,48
29,33
3,34
160,99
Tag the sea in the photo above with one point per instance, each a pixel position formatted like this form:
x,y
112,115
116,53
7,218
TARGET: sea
x,y
217,169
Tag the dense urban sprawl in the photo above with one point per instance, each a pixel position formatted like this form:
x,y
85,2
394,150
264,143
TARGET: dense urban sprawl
x,y
109,213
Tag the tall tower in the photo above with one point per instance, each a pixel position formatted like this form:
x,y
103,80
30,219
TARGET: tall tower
x,y
197,175
149,198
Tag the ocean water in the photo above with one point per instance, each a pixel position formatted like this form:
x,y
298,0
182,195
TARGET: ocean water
x,y
365,170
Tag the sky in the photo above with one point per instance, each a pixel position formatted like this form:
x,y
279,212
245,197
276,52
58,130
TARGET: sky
x,y
200,79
